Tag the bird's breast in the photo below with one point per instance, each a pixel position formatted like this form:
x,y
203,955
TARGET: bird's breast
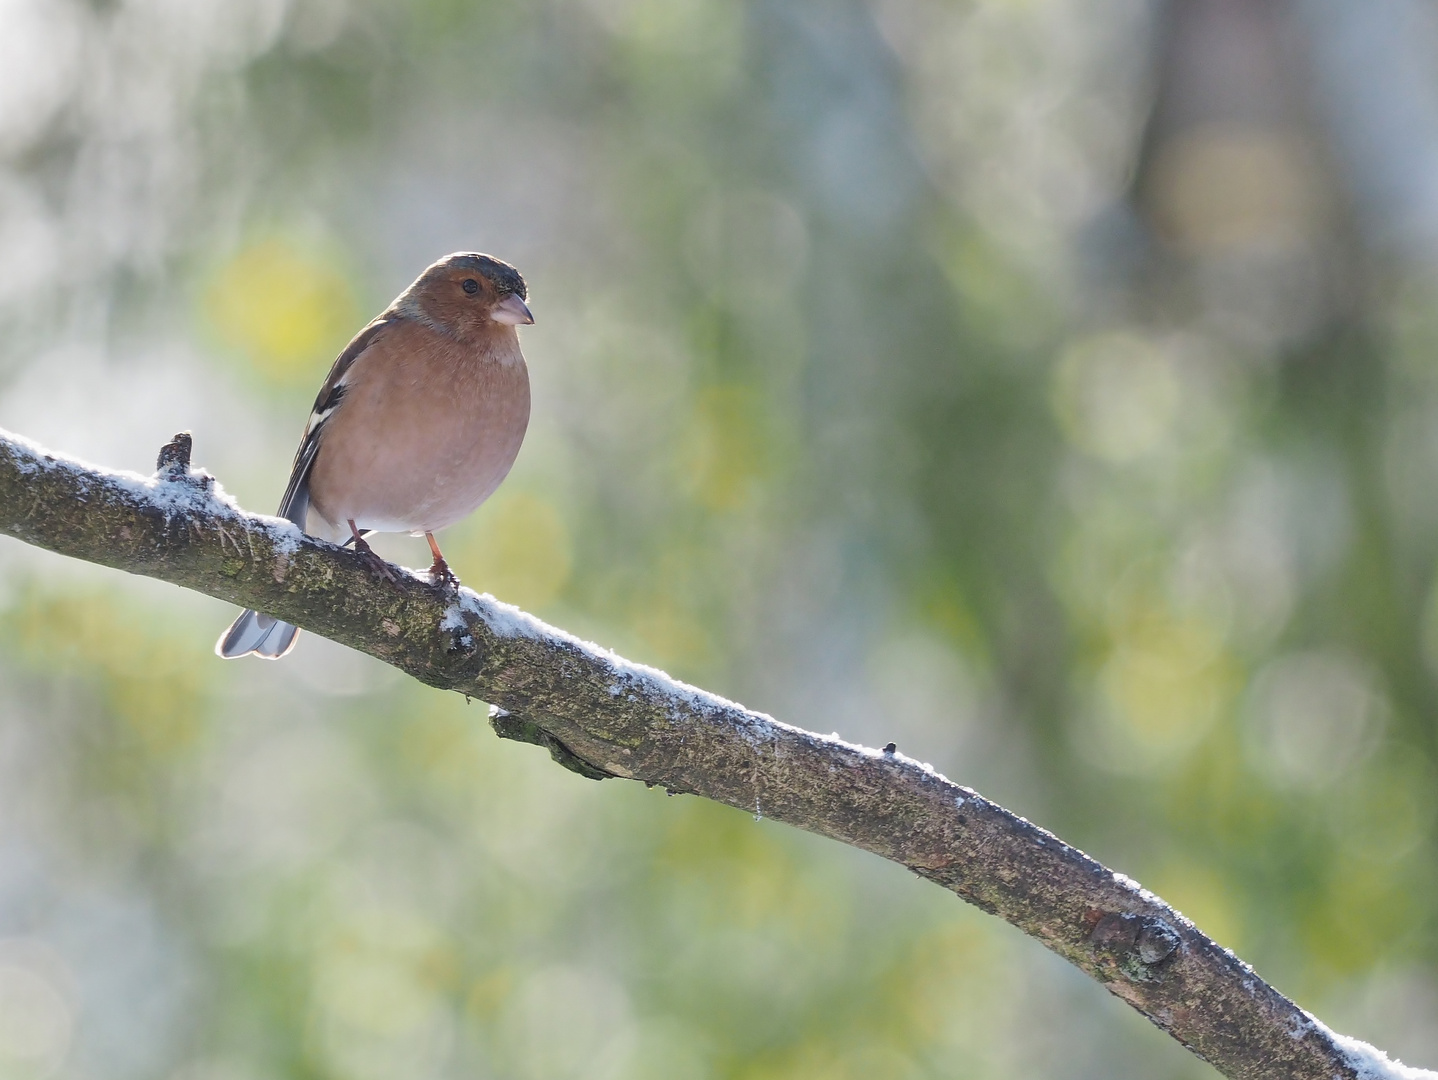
x,y
425,432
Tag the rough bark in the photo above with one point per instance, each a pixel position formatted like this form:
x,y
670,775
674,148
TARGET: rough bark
x,y
603,716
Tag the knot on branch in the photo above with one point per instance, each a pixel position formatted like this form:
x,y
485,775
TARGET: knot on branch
x,y
1141,946
508,726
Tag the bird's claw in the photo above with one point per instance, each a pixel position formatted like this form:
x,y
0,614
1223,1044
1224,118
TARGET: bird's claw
x,y
375,562
440,574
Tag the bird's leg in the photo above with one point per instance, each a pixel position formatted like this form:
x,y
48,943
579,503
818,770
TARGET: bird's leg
x,y
440,573
378,565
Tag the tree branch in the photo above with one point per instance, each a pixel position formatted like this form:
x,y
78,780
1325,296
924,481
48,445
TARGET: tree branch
x,y
602,716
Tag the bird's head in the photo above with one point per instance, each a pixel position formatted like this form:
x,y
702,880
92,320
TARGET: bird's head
x,y
467,294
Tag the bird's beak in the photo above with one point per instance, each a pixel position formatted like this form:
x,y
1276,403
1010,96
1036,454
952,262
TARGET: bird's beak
x,y
512,311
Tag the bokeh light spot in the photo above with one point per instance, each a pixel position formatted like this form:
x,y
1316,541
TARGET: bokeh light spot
x,y
1385,812
1164,684
1312,715
35,1024
1115,396
1221,187
288,311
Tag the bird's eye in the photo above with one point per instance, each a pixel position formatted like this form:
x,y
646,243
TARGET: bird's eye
x,y
470,286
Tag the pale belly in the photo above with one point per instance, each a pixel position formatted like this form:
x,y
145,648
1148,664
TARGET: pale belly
x,y
440,452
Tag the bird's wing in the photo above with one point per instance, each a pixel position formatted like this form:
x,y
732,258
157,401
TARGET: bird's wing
x,y
296,501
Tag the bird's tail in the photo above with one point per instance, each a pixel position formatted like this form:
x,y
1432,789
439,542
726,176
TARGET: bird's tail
x,y
253,632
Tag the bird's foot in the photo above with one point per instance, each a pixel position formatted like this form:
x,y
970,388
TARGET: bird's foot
x,y
440,574
374,561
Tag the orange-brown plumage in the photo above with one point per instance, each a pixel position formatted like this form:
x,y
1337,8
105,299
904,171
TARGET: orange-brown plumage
x,y
453,415
420,419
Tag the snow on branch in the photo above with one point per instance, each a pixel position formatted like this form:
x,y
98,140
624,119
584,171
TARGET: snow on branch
x,y
603,716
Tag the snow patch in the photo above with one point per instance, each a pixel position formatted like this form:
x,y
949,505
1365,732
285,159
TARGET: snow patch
x,y
1369,1062
194,492
454,622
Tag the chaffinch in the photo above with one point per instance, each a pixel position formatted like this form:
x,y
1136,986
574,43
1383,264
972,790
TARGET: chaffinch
x,y
419,421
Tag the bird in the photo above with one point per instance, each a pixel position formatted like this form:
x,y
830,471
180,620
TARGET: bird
x,y
419,421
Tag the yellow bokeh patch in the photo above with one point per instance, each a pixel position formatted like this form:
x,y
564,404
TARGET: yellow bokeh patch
x,y
488,994
290,312
1169,684
1166,681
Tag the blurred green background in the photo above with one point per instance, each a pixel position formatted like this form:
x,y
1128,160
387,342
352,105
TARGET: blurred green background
x,y
1048,386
